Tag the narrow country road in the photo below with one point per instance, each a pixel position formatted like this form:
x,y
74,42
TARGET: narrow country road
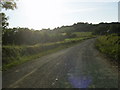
x,y
80,66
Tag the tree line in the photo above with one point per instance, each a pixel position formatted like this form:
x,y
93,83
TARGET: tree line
x,y
26,36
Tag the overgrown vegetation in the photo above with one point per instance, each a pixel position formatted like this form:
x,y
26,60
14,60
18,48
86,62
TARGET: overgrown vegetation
x,y
110,45
25,36
23,44
14,55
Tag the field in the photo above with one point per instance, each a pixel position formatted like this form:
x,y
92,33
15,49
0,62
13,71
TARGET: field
x,y
83,34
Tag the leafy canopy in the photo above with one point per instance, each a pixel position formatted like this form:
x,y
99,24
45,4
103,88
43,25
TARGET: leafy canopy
x,y
8,4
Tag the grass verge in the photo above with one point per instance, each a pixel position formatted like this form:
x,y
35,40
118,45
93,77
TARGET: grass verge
x,y
110,46
15,55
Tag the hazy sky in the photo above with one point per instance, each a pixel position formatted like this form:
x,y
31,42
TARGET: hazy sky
x,y
40,14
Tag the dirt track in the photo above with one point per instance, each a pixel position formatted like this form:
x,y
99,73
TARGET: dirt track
x,y
80,66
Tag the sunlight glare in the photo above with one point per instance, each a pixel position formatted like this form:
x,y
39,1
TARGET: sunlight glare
x,y
45,11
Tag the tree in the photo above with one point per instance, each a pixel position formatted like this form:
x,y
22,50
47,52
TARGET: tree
x,y
4,20
8,4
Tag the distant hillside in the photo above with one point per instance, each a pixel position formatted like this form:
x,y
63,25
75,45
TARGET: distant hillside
x,y
79,27
107,28
101,28
26,36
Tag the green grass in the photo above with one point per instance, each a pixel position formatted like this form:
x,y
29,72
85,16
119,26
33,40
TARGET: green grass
x,y
15,55
83,34
28,58
109,45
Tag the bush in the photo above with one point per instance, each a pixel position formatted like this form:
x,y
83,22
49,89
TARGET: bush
x,y
109,45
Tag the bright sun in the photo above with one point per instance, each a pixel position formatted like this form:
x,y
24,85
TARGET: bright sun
x,y
45,11
40,14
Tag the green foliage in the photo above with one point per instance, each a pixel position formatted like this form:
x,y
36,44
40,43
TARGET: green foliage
x,y
4,20
25,36
23,59
8,4
107,28
110,45
83,34
19,36
78,27
14,55
20,43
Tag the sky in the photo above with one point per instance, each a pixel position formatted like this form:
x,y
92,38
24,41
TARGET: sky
x,y
39,14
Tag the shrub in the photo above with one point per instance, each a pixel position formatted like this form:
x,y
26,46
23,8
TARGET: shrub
x,y
109,45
